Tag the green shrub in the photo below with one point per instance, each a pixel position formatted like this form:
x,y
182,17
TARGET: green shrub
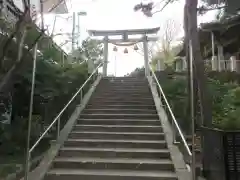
x,y
225,101
229,116
225,76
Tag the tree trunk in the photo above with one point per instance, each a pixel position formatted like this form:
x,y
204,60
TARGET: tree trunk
x,y
186,43
186,32
205,102
198,63
8,80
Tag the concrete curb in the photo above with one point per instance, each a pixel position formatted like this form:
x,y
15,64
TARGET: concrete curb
x,y
176,156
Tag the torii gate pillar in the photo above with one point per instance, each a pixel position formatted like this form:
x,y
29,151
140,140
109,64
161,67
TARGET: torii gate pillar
x,y
145,49
105,56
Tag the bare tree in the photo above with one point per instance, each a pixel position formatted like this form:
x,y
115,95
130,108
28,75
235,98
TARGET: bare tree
x,y
162,50
167,38
151,49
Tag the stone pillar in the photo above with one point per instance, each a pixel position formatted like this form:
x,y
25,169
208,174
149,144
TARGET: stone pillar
x,y
105,58
160,65
213,44
221,63
214,63
233,63
178,65
145,49
184,63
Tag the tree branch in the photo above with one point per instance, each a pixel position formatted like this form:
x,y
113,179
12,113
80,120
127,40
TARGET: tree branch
x,y
165,5
18,26
203,9
8,79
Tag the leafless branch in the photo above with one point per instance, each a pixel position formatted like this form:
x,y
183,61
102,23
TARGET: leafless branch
x,y
164,6
169,32
203,8
19,24
18,27
55,6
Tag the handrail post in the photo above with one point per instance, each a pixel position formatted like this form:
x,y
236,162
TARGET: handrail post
x,y
58,127
160,97
174,132
81,96
28,153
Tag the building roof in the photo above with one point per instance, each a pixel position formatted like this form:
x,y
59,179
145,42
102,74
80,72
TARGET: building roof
x,y
226,33
222,24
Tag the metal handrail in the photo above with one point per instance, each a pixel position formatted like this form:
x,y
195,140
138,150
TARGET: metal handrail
x,y
81,63
62,111
56,119
171,113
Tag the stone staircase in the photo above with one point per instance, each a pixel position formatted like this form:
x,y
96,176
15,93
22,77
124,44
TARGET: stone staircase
x,y
117,137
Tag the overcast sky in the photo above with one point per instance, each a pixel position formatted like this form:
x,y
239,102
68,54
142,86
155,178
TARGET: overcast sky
x,y
119,14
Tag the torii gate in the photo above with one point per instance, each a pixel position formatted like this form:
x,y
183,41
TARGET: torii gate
x,y
125,39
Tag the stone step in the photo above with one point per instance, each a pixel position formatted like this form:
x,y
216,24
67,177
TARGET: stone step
x,y
119,116
116,135
116,143
132,153
119,106
121,81
113,163
130,87
121,102
125,91
123,85
117,128
121,98
125,80
76,174
122,95
119,111
118,122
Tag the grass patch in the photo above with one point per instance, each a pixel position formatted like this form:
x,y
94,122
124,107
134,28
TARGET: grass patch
x,y
9,165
